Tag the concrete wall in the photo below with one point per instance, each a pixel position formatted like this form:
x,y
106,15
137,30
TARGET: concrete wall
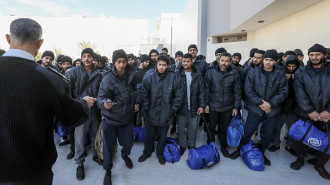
x,y
300,30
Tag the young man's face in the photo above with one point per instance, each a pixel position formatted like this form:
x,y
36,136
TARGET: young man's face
x,y
87,59
257,59
301,58
268,64
224,63
120,65
77,63
217,56
315,57
162,66
145,64
95,62
236,59
186,63
164,51
154,56
47,61
291,67
178,58
193,52
131,61
66,64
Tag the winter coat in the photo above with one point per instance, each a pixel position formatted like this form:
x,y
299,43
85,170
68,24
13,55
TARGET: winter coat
x,y
201,65
116,88
223,89
312,89
161,96
197,91
258,88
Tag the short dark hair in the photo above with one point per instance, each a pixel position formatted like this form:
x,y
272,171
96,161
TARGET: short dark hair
x,y
165,49
163,58
260,52
226,54
187,55
290,52
25,30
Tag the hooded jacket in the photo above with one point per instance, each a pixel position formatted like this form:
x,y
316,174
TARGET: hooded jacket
x,y
312,89
117,88
223,89
258,88
161,96
197,91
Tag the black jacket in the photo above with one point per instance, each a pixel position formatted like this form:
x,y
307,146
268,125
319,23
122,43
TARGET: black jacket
x,y
257,88
201,65
312,89
117,89
161,96
223,89
197,91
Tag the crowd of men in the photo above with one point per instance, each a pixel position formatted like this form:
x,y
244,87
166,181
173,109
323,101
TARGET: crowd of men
x,y
271,89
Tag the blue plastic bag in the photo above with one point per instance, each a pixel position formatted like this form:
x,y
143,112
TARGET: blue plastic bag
x,y
171,151
308,134
252,156
235,131
61,130
139,133
204,156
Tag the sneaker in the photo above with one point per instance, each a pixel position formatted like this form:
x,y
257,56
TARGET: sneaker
x,y
128,161
291,150
297,164
322,171
161,159
235,155
182,150
143,157
70,155
312,161
267,161
64,142
274,148
107,178
225,153
80,173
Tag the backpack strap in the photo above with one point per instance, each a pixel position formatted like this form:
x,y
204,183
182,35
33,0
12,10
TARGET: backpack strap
x,y
306,133
169,149
204,164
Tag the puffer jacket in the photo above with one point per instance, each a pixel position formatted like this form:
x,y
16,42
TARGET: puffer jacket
x,y
257,88
223,89
116,88
197,91
201,65
312,89
161,96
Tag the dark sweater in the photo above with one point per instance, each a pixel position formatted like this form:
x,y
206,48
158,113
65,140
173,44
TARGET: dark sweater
x,y
30,97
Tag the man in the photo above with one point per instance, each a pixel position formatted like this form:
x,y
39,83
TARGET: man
x,y
300,56
178,58
66,62
96,60
312,88
28,106
47,58
239,68
188,117
165,51
218,53
281,63
223,98
136,81
58,63
85,81
287,115
132,60
161,96
77,62
153,54
265,89
250,60
117,104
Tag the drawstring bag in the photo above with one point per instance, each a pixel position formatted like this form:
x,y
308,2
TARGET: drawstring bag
x,y
235,131
252,156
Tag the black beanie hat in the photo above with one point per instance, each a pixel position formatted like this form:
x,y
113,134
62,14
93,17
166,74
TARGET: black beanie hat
x,y
97,57
59,58
220,50
192,46
280,55
119,53
298,52
237,55
131,56
178,53
253,51
165,49
48,53
272,53
292,59
289,53
87,50
152,51
317,48
144,58
66,59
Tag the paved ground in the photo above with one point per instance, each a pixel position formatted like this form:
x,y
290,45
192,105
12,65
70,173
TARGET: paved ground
x,y
150,172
